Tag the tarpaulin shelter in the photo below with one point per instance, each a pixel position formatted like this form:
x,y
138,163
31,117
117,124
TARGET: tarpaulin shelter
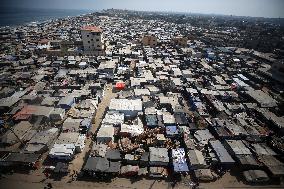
x,y
120,85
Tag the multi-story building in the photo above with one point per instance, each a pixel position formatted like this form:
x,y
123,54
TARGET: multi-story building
x,y
149,40
92,40
179,40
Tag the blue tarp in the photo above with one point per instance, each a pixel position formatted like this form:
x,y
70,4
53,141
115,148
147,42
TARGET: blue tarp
x,y
172,130
180,167
151,120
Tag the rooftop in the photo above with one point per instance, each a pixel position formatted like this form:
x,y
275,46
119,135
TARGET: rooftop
x,y
92,29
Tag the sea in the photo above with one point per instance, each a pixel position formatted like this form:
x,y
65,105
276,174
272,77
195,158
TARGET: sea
x,y
22,16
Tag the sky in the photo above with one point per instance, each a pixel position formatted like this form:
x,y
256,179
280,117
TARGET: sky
x,y
257,8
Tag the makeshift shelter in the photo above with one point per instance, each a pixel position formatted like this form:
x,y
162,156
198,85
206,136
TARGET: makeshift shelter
x,y
129,170
158,172
120,85
196,159
20,130
15,159
221,153
61,168
255,176
96,164
204,175
179,160
159,156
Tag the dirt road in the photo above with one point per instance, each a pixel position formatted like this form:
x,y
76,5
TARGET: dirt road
x,y
78,162
108,95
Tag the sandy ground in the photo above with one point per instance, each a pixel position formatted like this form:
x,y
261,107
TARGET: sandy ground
x,y
35,180
108,95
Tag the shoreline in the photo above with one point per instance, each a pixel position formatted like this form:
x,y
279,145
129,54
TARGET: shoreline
x,y
38,16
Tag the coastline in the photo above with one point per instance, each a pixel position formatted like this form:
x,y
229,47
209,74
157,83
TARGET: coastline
x,y
23,16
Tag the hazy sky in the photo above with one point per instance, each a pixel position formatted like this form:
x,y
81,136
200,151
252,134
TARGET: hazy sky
x,y
263,8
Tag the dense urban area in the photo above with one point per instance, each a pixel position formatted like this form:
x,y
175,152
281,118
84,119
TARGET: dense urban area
x,y
128,99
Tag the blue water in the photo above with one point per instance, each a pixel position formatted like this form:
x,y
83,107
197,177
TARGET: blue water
x,y
14,17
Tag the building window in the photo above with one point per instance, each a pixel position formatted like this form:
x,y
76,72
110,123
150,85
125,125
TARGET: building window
x,y
97,40
98,46
88,41
88,36
92,39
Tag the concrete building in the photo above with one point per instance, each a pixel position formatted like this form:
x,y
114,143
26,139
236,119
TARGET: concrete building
x,y
92,40
180,41
149,40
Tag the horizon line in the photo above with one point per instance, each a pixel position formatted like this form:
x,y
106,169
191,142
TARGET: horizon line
x,y
153,11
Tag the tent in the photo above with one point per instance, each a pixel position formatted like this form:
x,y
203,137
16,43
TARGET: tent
x,y
120,85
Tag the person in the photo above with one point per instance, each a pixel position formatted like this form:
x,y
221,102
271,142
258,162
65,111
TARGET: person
x,y
49,185
74,176
174,183
46,175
